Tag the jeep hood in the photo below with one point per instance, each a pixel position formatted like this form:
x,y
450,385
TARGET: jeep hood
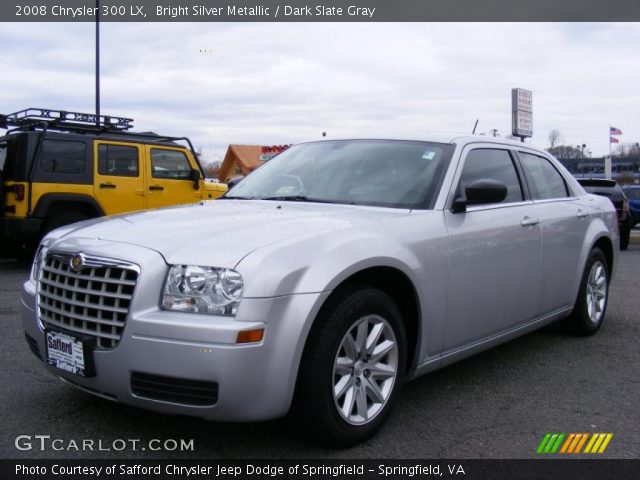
x,y
222,232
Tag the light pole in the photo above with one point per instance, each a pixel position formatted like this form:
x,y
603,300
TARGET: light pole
x,y
98,63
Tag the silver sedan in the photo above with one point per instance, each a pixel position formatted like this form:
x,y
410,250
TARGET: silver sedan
x,y
323,281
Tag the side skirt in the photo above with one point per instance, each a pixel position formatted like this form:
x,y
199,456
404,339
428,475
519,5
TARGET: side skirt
x,y
452,356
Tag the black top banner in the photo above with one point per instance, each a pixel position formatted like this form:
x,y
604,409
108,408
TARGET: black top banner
x,y
319,10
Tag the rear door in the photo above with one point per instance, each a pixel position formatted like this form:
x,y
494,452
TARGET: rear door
x,y
564,220
169,180
495,253
119,177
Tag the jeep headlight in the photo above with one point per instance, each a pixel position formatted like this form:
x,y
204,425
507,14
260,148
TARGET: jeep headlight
x,y
208,290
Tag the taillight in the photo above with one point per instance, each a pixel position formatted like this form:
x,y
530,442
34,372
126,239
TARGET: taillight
x,y
625,205
18,190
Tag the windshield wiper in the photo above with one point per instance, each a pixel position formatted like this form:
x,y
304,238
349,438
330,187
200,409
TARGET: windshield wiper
x,y
224,197
297,198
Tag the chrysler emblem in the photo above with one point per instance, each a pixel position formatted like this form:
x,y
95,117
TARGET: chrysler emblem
x,y
77,262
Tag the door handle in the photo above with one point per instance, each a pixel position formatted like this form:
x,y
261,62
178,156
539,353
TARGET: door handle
x,y
529,222
107,185
156,187
581,214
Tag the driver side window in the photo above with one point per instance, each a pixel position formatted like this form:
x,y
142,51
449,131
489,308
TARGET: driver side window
x,y
492,164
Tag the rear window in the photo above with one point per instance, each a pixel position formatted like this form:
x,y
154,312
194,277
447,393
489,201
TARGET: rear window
x,y
545,182
118,160
613,192
64,157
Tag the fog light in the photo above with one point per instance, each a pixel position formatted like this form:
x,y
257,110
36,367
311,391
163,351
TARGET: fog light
x,y
250,336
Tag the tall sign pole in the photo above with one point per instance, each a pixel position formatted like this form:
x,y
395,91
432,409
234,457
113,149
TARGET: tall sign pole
x,y
521,113
97,63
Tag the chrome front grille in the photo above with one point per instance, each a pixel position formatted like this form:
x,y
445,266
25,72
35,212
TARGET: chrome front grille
x,y
92,297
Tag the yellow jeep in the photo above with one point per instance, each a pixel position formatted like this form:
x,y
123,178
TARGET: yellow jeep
x,y
61,167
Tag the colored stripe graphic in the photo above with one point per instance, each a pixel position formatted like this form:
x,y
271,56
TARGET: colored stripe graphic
x,y
550,443
598,443
573,443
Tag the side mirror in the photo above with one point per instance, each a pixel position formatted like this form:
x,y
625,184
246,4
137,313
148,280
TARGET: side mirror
x,y
479,192
195,177
233,182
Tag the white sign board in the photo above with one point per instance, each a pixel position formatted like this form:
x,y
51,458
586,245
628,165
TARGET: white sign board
x,y
523,124
522,112
523,100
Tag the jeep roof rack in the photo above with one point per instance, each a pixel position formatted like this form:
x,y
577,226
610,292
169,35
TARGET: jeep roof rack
x,y
32,118
46,119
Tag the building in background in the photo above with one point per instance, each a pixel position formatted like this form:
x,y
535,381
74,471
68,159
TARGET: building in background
x,y
241,160
623,169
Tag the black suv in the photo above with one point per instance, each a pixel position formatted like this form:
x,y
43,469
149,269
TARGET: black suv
x,y
613,191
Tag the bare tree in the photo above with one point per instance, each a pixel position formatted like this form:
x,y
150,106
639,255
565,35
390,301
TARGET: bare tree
x,y
555,137
565,151
627,150
625,178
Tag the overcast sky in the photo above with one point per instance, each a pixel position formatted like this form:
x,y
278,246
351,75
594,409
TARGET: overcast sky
x,y
275,83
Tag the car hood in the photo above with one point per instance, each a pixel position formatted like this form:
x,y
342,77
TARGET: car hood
x,y
222,232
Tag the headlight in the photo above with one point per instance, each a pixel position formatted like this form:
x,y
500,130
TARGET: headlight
x,y
208,290
38,260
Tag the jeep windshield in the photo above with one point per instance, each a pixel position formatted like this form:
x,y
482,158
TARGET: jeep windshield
x,y
387,173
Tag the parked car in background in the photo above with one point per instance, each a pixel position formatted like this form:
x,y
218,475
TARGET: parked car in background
x,y
613,191
58,168
633,195
323,281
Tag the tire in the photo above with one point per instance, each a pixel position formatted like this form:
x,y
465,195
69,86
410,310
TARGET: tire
x,y
342,396
625,236
591,305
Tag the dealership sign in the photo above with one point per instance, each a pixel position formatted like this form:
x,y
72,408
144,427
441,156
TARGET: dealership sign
x,y
267,153
522,112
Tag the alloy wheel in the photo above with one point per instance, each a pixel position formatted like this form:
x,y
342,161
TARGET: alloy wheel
x,y
365,369
596,291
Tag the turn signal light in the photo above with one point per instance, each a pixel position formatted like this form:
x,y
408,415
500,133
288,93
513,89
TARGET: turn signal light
x,y
250,336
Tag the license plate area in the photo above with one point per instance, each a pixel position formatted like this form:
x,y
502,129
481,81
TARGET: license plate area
x,y
70,352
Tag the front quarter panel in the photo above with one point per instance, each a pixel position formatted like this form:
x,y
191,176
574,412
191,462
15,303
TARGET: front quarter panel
x,y
415,244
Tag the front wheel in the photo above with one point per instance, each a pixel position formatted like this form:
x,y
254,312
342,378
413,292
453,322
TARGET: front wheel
x,y
352,368
591,305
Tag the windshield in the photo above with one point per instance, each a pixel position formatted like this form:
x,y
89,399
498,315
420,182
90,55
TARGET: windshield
x,y
632,193
389,173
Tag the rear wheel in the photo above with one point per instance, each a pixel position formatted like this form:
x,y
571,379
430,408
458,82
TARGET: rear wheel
x,y
352,368
591,305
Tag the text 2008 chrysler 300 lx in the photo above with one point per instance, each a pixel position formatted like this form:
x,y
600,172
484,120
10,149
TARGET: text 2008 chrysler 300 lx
x,y
323,281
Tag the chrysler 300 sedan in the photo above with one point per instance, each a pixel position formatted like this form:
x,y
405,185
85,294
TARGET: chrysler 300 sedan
x,y
322,281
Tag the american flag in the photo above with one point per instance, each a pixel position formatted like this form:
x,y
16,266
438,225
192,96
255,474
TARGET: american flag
x,y
614,140
615,131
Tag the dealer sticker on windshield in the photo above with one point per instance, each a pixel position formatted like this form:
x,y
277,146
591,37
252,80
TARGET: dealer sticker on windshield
x,y
68,353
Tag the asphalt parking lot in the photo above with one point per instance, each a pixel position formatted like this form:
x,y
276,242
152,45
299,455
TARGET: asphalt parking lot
x,y
498,404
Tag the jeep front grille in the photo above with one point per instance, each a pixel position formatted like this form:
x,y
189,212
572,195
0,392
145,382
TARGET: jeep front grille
x,y
91,299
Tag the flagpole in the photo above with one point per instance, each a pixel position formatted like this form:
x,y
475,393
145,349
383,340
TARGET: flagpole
x,y
610,155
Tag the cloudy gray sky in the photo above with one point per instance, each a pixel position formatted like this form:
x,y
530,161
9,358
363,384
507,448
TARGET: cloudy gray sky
x,y
273,83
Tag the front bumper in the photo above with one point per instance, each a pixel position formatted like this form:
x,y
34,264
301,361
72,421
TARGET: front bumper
x,y
255,381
